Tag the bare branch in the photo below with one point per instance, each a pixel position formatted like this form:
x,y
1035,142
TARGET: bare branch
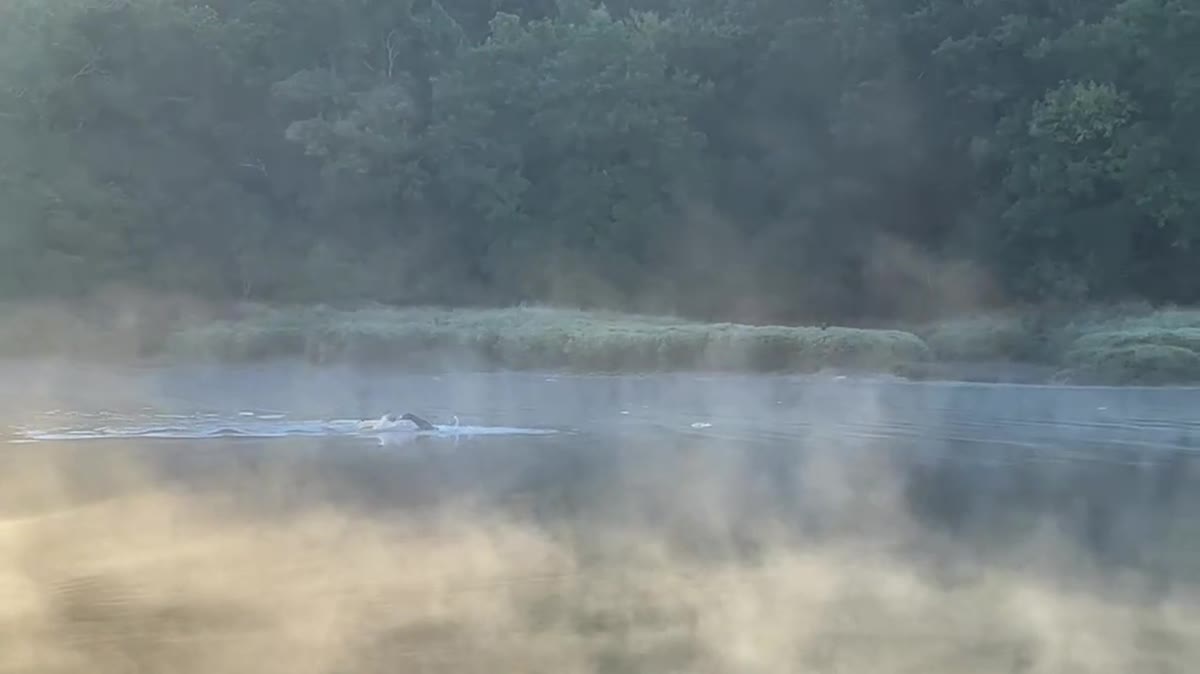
x,y
258,165
89,67
393,53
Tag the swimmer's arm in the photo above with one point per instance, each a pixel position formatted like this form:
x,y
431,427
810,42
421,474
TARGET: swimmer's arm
x,y
421,423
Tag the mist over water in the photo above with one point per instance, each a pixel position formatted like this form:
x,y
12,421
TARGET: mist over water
x,y
592,524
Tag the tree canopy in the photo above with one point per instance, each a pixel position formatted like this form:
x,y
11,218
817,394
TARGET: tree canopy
x,y
747,159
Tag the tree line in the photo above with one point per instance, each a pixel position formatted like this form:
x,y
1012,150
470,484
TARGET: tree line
x,y
748,159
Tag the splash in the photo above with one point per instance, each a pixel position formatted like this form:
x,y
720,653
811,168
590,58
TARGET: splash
x,y
250,425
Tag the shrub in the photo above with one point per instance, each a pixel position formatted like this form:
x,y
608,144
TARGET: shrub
x,y
1000,337
1145,363
1185,338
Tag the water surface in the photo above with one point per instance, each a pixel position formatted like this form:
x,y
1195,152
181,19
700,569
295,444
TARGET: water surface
x,y
1093,491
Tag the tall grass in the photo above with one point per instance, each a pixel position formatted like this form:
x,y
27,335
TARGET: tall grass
x,y
1127,344
540,338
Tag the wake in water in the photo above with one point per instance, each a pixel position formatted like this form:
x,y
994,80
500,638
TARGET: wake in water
x,y
245,425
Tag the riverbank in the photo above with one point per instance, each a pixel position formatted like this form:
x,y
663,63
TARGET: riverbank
x,y
541,338
1118,346
1111,345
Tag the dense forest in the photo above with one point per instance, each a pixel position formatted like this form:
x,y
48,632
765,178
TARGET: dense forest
x,y
748,159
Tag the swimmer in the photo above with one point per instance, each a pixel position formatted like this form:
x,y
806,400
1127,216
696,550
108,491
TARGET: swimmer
x,y
391,422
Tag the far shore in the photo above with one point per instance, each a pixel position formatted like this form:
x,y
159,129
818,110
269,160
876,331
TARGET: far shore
x,y
1107,345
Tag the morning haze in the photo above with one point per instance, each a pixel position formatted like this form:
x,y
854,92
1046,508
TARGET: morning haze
x,y
755,336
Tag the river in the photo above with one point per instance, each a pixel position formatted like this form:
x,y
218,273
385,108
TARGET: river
x,y
1075,505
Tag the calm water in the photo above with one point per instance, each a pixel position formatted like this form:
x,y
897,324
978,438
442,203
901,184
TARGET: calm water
x,y
721,469
967,456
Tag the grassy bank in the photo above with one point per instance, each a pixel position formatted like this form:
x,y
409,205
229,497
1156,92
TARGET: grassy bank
x,y
514,338
537,338
1128,344
1111,345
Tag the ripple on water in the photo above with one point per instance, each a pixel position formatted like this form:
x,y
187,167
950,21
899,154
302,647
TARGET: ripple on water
x,y
243,425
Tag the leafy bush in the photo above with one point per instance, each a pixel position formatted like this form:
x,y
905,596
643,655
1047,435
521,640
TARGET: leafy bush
x,y
1049,334
999,337
1132,363
1184,338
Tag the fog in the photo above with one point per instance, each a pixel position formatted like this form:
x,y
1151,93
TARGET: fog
x,y
850,182
658,523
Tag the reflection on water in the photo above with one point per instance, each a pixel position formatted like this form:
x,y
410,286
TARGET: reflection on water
x,y
732,525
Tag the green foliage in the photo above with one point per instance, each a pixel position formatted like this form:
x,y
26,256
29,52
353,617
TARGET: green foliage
x,y
980,338
1161,347
757,160
563,141
1184,338
1146,364
1099,185
1130,343
542,339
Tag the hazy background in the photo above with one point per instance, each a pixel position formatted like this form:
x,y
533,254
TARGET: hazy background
x,y
848,160
189,181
